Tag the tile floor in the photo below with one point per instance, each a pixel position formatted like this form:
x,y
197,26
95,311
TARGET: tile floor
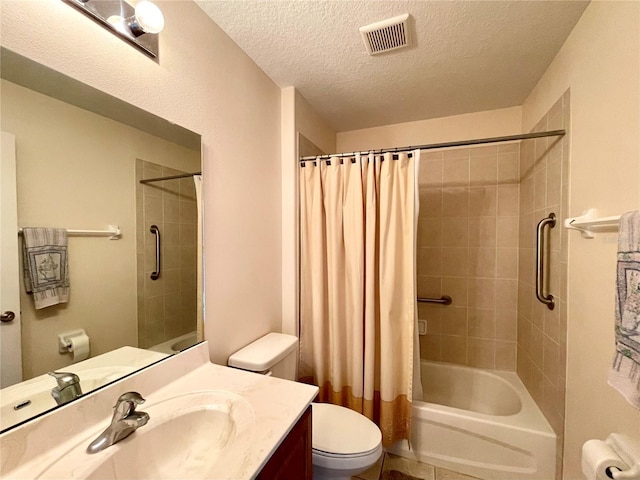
x,y
411,468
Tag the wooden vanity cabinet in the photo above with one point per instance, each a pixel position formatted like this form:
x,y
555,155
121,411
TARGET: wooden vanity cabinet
x,y
292,460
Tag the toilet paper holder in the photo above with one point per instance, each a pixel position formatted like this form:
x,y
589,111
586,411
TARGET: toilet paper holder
x,y
64,340
628,449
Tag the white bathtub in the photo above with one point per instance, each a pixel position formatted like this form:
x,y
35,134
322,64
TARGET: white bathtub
x,y
177,344
482,423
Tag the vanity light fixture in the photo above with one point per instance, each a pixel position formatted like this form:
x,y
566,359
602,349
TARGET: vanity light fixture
x,y
138,26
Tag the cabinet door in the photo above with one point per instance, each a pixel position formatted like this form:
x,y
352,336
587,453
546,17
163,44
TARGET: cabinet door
x,y
292,459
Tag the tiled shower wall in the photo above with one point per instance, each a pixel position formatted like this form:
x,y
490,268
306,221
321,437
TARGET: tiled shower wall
x,y
468,249
166,306
542,333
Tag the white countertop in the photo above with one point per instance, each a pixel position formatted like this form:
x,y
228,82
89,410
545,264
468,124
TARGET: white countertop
x,y
26,451
93,372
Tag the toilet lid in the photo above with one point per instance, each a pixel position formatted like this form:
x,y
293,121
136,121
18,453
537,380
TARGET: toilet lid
x,y
342,431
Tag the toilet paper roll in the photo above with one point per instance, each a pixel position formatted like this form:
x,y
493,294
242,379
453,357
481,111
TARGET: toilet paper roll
x,y
79,347
597,457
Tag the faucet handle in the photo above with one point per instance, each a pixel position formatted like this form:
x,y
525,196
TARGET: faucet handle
x,y
65,379
133,397
129,401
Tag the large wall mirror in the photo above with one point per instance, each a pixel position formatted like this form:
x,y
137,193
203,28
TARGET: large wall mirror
x,y
76,157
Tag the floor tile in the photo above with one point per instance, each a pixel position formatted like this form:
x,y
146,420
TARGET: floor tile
x,y
391,467
444,474
396,475
416,469
372,473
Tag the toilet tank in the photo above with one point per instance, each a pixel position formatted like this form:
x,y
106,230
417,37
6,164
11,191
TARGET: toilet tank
x,y
275,354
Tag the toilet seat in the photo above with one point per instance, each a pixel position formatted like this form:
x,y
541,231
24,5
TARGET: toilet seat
x,y
346,462
342,438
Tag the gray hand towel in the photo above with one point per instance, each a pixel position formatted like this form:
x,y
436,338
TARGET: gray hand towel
x,y
46,266
625,372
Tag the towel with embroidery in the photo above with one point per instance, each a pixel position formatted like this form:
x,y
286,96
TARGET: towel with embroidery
x,y
624,374
45,265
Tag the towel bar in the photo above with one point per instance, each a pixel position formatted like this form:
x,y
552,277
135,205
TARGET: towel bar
x,y
113,232
589,220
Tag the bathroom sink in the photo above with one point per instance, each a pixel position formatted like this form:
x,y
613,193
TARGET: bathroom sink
x,y
200,435
32,397
22,401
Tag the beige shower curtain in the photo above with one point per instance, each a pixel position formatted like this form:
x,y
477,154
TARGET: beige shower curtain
x,y
358,298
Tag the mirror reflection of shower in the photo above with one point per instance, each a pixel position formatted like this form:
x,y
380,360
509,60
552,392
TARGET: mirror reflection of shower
x,y
167,257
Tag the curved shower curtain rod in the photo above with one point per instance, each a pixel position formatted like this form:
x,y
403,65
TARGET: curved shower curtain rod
x,y
462,143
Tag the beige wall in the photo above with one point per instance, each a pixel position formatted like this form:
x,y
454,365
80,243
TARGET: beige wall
x,y
314,127
600,63
297,118
76,170
493,123
289,211
204,82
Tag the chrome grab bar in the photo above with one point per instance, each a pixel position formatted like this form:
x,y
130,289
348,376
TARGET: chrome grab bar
x,y
540,261
156,231
444,300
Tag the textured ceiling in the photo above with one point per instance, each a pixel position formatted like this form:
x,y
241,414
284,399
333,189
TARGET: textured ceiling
x,y
467,56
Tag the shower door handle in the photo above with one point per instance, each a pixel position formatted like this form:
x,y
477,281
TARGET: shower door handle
x,y
156,231
549,221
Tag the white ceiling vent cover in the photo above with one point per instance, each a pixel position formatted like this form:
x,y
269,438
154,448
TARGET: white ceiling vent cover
x,y
386,35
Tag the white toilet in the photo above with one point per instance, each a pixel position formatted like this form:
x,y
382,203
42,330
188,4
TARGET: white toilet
x,y
344,442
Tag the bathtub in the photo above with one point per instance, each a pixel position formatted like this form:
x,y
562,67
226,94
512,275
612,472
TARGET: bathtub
x,y
481,423
176,345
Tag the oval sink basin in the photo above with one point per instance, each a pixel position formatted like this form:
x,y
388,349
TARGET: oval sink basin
x,y
201,435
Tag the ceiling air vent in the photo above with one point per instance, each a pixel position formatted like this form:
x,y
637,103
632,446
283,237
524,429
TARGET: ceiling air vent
x,y
386,35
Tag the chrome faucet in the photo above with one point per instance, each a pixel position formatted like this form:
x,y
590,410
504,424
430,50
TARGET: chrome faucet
x,y
68,387
124,422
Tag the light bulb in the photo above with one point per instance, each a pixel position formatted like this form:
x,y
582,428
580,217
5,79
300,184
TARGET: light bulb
x,y
149,17
117,22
